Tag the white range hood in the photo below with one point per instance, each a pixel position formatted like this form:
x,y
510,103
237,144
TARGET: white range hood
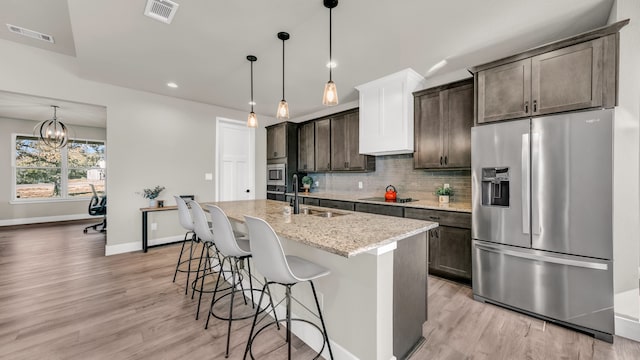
x,y
386,113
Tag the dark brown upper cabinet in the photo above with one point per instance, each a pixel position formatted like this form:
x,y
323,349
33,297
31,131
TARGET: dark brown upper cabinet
x,y
306,147
443,117
277,141
345,154
571,74
323,145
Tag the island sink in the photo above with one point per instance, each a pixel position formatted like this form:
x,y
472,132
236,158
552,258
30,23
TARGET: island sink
x,y
321,213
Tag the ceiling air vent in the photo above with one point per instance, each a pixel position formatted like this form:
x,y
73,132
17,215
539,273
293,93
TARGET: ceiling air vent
x,y
30,33
161,10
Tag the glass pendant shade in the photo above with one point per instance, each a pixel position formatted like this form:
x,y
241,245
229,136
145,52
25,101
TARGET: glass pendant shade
x,y
330,97
52,132
252,120
283,110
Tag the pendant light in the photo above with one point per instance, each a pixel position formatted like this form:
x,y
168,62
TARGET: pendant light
x,y
330,97
52,132
252,119
283,107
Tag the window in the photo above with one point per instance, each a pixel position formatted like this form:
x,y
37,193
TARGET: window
x,y
45,173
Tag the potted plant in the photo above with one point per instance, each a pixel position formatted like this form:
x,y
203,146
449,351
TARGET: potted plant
x,y
152,194
306,182
443,194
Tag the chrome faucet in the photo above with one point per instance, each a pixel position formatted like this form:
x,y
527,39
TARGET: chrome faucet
x,y
296,203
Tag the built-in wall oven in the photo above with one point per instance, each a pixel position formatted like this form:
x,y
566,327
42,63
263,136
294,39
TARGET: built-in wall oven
x,y
276,181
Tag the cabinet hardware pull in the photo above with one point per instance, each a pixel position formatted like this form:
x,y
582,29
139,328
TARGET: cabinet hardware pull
x,y
535,105
440,160
434,217
328,165
526,106
445,160
275,154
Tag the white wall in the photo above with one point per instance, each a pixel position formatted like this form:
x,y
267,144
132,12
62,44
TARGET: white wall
x,y
21,213
626,213
151,139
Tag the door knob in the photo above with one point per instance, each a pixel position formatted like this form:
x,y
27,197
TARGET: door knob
x,y
248,190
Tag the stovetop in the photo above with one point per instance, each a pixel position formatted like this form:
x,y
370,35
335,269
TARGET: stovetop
x,y
382,199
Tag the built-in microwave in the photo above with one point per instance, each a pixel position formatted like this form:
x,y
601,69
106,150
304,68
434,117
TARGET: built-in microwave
x,y
276,174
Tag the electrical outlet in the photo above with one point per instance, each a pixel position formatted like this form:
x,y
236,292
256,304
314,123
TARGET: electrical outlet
x,y
317,183
446,186
359,184
208,176
154,226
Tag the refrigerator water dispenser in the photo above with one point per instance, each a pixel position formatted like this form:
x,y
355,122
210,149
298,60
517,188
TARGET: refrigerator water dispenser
x,y
495,186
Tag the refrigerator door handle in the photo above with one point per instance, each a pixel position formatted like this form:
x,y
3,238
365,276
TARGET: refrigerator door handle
x,y
548,259
526,181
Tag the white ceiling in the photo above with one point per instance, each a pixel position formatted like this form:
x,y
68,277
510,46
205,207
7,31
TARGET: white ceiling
x,y
204,50
37,108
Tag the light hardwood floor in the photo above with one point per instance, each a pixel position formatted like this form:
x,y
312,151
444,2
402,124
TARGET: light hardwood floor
x,y
61,298
461,328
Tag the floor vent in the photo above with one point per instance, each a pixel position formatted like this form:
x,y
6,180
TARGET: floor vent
x,y
30,33
161,10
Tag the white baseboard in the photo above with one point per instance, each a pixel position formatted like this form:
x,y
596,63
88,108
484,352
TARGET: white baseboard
x,y
627,328
137,246
45,219
122,248
164,240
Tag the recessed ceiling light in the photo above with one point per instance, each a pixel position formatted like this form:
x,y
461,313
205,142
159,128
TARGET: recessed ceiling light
x,y
172,85
331,64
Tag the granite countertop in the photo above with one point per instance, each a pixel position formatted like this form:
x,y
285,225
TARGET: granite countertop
x,y
347,235
425,200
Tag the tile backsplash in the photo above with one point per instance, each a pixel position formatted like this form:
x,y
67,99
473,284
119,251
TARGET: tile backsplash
x,y
397,170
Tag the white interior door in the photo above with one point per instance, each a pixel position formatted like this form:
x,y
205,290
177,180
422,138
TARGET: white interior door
x,y
235,163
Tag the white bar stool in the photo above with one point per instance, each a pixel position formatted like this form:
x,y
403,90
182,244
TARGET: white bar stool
x,y
234,251
286,270
184,215
204,232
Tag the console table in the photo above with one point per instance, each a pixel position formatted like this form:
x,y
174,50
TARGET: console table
x,y
145,213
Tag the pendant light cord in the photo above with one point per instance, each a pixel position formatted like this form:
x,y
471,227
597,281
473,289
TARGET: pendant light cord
x,y
330,56
283,69
251,86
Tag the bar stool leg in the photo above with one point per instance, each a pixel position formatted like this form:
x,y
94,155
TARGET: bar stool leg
x,y
204,275
324,329
233,292
255,319
184,241
253,306
275,316
213,299
288,295
193,288
193,243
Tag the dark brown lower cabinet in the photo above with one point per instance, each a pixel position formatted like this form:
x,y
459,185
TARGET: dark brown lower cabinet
x,y
311,201
388,210
337,204
449,244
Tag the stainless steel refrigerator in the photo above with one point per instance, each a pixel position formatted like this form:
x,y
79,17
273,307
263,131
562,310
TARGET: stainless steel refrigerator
x,y
542,218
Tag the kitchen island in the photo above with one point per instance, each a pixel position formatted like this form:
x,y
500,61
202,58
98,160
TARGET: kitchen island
x,y
374,300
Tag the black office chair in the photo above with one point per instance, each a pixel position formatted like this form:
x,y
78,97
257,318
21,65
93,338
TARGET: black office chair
x,y
97,207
